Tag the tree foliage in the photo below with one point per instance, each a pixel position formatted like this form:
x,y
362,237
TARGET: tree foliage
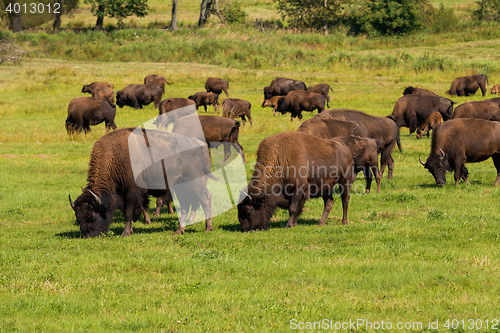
x,y
312,14
488,10
117,8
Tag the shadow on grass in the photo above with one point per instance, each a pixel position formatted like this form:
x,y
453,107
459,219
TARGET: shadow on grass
x,y
273,225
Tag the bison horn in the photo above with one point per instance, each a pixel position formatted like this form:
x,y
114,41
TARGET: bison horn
x,y
246,194
421,161
97,199
71,202
442,154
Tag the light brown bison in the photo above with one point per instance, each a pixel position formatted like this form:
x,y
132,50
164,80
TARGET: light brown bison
x,y
328,128
382,129
291,168
156,79
272,102
86,111
459,141
301,100
467,85
487,110
105,94
411,110
322,89
137,95
217,86
430,122
206,98
88,88
495,89
237,108
418,91
281,86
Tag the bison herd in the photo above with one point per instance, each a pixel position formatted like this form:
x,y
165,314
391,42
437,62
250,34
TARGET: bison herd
x,y
321,158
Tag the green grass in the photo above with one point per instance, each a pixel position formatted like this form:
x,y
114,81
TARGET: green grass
x,y
414,252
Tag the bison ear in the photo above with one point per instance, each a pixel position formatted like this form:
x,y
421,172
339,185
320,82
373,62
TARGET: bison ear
x,y
71,202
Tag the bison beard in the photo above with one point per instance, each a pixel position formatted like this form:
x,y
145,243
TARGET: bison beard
x,y
270,187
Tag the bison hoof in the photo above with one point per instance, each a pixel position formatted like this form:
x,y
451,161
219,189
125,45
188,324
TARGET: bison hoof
x,y
179,231
209,229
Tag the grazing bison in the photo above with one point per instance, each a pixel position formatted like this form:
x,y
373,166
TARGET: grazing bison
x,y
461,141
282,86
430,122
272,102
237,108
322,89
328,128
137,95
216,131
365,158
495,89
301,100
217,86
112,185
88,88
86,111
105,94
418,91
162,197
382,129
206,98
411,110
487,110
467,85
291,168
156,79
184,107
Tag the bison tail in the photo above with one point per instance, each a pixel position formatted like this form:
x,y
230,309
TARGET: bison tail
x,y
330,87
391,117
398,141
207,172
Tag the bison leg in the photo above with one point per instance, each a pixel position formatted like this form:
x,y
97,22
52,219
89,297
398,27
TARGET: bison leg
x,y
239,149
147,220
274,110
367,172
461,171
345,195
483,89
328,200
496,161
205,106
296,204
159,203
227,152
386,160
243,120
250,119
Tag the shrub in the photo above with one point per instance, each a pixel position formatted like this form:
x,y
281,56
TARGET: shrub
x,y
233,13
444,19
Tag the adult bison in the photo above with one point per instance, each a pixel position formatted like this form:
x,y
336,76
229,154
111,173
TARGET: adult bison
x,y
217,86
460,141
382,129
86,111
156,79
300,100
272,103
88,88
206,98
487,110
216,131
181,106
105,94
418,91
467,85
322,89
137,95
291,168
430,122
237,108
411,110
328,128
112,184
281,86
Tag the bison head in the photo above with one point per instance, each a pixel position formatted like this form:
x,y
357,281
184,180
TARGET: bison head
x,y
437,164
267,93
86,89
90,214
252,213
409,90
121,99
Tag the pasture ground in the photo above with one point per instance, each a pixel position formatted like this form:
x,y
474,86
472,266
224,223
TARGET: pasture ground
x,y
412,253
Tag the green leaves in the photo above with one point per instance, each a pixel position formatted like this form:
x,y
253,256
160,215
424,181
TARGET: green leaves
x,y
118,8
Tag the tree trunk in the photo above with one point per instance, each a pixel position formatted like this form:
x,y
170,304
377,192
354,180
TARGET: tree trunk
x,y
205,7
325,25
173,24
57,20
100,17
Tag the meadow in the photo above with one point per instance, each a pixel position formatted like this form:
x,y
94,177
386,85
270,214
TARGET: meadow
x,y
412,254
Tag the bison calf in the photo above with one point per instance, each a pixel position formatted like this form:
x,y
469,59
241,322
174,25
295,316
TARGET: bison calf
x,y
237,108
430,122
495,89
272,102
86,111
206,98
322,89
137,95
156,79
88,88
105,94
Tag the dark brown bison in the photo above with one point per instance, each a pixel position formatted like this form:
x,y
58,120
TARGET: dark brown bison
x,y
86,111
322,89
217,86
272,102
291,168
467,85
112,184
184,107
237,108
418,91
162,197
88,88
282,86
156,79
365,158
105,94
430,122
206,98
411,110
328,128
301,100
382,129
216,131
487,110
137,95
460,141
495,89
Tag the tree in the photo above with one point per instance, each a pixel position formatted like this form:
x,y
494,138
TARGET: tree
x,y
205,8
14,19
66,7
116,8
488,10
173,24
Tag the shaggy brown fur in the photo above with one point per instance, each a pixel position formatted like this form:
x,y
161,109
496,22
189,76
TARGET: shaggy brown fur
x,y
86,111
105,94
88,88
328,128
301,100
430,122
217,86
467,85
281,86
156,79
237,108
137,95
272,102
206,98
322,89
487,110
